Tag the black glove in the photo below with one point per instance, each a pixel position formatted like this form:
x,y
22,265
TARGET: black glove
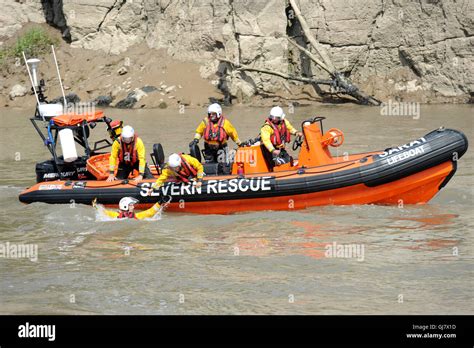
x,y
278,160
193,143
164,199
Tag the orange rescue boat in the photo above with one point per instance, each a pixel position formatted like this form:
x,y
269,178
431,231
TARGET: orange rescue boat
x,y
410,174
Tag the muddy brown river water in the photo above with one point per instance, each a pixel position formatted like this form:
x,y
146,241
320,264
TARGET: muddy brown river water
x,y
416,259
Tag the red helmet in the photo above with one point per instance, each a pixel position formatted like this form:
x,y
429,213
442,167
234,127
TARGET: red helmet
x,y
115,129
116,124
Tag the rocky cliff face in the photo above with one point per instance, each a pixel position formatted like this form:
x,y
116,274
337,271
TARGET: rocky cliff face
x,y
14,14
422,49
413,50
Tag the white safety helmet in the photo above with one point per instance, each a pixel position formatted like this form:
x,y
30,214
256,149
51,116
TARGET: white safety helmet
x,y
127,134
215,108
174,160
277,112
126,201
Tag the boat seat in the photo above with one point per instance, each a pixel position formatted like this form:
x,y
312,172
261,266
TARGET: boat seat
x,y
158,155
217,168
271,165
194,152
283,167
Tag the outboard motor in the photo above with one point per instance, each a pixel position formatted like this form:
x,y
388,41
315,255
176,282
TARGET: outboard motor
x,y
76,170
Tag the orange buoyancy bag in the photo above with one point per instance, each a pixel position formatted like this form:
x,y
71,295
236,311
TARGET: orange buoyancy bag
x,y
128,152
186,171
219,134
279,136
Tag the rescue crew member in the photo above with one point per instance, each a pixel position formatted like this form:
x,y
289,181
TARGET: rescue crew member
x,y
115,129
183,168
216,130
275,133
127,210
128,150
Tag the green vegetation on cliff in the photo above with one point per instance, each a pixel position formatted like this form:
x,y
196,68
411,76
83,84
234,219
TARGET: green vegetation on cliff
x,y
34,42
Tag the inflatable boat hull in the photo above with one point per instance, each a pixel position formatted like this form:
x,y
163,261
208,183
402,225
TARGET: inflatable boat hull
x,y
409,174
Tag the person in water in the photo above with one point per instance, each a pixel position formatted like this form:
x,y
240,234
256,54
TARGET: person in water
x,y
129,152
216,130
275,133
127,210
183,168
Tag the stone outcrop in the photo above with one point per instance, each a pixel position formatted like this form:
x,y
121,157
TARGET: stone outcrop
x,y
15,14
415,50
18,91
135,96
71,98
109,25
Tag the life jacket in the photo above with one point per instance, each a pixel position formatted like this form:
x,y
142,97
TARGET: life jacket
x,y
130,149
212,134
186,171
126,215
279,136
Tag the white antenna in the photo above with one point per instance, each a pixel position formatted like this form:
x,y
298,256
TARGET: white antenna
x,y
34,82
59,77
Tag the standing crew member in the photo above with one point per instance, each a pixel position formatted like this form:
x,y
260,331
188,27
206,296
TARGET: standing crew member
x,y
129,152
275,133
216,130
183,168
127,210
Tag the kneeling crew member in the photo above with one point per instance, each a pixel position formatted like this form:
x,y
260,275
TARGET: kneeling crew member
x,y
216,130
129,152
127,210
275,133
183,168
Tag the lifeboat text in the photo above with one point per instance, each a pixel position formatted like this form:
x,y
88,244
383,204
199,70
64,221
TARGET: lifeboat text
x,y
403,147
406,154
213,187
